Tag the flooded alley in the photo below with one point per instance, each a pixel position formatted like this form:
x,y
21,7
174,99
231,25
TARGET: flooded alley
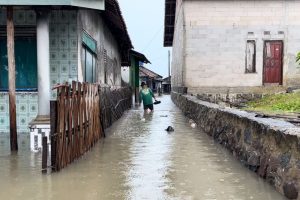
x,y
137,160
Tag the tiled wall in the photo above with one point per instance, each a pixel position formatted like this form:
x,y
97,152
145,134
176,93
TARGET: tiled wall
x,y
63,47
26,103
63,64
27,107
20,17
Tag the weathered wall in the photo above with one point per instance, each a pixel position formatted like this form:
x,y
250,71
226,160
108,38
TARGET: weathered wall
x,y
178,47
215,40
92,22
269,147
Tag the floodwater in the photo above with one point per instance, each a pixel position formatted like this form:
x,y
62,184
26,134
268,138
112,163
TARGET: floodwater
x,y
137,160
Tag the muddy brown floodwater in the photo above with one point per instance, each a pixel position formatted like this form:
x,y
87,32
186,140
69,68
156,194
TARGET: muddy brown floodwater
x,y
137,160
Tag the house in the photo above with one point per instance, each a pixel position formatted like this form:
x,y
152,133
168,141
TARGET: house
x,y
137,59
57,42
152,79
233,43
166,85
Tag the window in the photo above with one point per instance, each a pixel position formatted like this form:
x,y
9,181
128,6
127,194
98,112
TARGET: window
x,y
89,57
26,64
89,65
250,57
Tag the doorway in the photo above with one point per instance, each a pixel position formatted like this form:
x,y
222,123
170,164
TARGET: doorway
x,y
273,56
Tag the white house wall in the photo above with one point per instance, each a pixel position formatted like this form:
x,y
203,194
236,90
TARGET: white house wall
x,y
92,22
215,38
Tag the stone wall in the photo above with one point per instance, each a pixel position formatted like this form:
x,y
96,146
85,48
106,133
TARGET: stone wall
x,y
269,147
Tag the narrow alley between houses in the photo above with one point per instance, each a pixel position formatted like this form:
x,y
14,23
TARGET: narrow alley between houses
x,y
137,160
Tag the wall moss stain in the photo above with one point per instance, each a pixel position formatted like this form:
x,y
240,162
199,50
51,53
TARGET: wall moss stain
x,y
270,148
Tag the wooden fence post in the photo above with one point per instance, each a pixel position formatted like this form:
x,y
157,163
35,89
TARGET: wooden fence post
x,y
53,132
45,155
12,79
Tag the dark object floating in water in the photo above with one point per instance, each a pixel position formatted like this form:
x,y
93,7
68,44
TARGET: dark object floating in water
x,y
262,116
157,102
170,129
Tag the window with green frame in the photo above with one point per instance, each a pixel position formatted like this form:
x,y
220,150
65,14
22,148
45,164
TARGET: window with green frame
x,y
26,64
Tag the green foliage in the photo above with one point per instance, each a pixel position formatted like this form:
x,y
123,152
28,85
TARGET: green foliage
x,y
298,57
276,103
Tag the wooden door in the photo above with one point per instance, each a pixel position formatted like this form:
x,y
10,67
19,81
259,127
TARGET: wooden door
x,y
273,52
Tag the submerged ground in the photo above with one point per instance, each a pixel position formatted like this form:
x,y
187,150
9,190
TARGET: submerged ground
x,y
137,160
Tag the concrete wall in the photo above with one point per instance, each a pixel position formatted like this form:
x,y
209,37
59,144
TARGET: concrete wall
x,y
92,22
178,47
268,147
215,35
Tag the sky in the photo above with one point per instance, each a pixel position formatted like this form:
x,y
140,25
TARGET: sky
x,y
145,23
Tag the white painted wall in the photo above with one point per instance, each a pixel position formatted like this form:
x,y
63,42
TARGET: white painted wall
x,y
212,41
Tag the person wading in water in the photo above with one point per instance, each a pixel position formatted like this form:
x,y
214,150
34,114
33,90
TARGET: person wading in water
x,y
146,96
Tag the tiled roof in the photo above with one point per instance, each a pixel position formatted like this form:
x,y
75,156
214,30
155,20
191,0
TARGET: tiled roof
x,y
144,72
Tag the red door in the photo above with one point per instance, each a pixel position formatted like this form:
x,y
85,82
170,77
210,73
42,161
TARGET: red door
x,y
273,52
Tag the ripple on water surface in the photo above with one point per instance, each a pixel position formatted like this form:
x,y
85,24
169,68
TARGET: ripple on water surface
x,y
138,160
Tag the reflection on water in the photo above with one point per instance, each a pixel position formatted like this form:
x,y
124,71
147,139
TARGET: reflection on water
x,y
138,160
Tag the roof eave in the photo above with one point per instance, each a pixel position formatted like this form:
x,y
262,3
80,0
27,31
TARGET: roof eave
x,y
170,12
91,4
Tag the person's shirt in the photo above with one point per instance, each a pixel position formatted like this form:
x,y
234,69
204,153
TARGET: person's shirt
x,y
146,96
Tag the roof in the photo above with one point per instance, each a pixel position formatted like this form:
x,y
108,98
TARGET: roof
x,y
92,4
111,14
170,9
115,21
144,72
167,80
140,56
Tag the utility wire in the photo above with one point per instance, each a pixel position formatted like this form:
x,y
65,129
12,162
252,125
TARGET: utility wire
x,y
155,35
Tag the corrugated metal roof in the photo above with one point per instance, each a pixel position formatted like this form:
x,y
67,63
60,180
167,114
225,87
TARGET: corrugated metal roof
x,y
140,56
92,4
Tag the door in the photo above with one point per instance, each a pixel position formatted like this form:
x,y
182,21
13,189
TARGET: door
x,y
273,52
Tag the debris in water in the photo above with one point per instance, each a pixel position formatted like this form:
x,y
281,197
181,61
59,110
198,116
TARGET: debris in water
x,y
192,123
222,180
170,129
163,115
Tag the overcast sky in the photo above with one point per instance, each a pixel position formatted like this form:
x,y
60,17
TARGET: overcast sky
x,y
145,24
